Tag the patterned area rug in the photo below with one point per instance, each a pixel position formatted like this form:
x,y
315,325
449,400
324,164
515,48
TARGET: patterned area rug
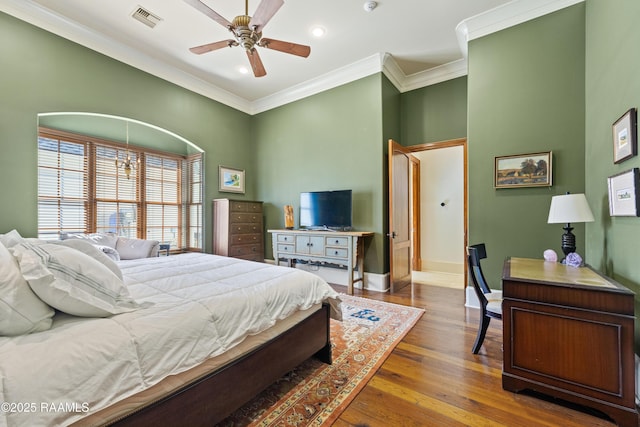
x,y
315,393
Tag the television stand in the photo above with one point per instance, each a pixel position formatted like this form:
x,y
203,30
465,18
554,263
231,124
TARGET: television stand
x,y
345,248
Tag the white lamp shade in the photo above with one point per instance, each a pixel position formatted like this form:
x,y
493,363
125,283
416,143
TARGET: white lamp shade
x,y
569,208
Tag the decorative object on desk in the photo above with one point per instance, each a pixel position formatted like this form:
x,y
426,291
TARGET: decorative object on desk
x,y
625,134
569,208
573,260
231,180
523,170
288,217
314,393
550,255
624,199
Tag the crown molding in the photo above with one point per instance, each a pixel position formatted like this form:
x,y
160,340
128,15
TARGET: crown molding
x,y
505,16
435,75
508,15
357,70
39,16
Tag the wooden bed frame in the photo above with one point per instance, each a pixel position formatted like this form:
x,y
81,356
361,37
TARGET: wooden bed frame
x,y
212,398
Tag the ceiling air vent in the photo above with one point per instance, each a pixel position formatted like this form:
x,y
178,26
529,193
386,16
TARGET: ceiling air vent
x,y
147,18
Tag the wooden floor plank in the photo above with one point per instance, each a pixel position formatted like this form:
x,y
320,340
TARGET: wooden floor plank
x,y
433,379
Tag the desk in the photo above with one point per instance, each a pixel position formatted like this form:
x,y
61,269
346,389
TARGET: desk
x,y
345,248
568,333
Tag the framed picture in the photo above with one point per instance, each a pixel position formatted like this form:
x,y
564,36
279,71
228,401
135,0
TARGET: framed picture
x,y
623,193
625,137
523,170
231,180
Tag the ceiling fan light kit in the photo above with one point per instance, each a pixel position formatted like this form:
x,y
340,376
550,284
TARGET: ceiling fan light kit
x,y
247,32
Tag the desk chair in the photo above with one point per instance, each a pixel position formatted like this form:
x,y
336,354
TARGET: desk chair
x,y
490,300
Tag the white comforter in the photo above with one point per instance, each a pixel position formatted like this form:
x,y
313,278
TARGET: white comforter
x,y
198,307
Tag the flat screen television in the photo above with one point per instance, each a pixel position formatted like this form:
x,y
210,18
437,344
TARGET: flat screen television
x,y
326,210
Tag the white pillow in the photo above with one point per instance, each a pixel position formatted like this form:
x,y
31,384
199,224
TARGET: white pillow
x,y
110,252
94,252
102,239
136,248
11,239
71,281
21,311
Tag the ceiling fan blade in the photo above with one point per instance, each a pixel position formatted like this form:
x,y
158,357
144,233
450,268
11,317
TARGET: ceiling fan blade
x,y
265,11
199,50
286,47
209,12
256,63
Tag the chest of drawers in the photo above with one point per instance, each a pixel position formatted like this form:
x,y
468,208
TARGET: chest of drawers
x,y
238,229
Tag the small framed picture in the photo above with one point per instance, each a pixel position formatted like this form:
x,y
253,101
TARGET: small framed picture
x,y
523,170
625,136
623,193
231,180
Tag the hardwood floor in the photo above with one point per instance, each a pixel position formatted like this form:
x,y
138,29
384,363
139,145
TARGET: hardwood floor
x,y
433,379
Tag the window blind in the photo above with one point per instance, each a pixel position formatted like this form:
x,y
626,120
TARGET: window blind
x,y
62,187
81,189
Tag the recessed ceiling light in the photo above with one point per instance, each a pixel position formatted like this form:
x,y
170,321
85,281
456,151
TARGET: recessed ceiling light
x,y
318,31
243,69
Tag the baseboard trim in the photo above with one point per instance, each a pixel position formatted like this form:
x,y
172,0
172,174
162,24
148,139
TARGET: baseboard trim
x,y
442,266
471,299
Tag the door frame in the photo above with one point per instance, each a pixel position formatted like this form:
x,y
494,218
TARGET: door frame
x,y
415,200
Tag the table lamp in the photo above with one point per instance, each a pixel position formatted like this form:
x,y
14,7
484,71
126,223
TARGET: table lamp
x,y
569,208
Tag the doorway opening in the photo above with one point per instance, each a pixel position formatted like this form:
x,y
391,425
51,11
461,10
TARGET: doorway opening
x,y
439,213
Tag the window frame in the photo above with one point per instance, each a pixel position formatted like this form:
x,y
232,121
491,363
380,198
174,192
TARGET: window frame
x,y
91,145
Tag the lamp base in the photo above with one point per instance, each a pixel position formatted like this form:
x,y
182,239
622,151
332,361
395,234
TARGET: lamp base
x,y
568,240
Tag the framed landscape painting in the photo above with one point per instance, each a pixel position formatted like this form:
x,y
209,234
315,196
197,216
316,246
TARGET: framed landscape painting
x,y
523,170
625,137
231,180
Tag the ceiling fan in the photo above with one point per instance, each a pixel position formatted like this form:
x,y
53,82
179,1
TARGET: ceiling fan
x,y
247,32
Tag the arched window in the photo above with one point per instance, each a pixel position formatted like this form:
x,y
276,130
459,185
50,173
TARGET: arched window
x,y
82,189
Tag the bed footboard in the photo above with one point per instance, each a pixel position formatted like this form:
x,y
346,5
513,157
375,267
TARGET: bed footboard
x,y
214,397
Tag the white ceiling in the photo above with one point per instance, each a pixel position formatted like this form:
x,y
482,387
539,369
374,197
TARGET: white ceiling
x,y
408,39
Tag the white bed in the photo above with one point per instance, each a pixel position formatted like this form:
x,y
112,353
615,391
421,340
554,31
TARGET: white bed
x,y
193,308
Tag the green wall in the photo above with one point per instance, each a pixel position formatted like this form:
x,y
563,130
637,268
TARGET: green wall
x,y
434,113
526,92
42,72
612,87
525,95
330,141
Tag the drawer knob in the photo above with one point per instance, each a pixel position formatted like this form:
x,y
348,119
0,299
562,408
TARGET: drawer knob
x,y
336,253
337,241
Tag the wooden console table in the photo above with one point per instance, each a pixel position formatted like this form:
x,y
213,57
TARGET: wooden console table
x,y
568,333
345,248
